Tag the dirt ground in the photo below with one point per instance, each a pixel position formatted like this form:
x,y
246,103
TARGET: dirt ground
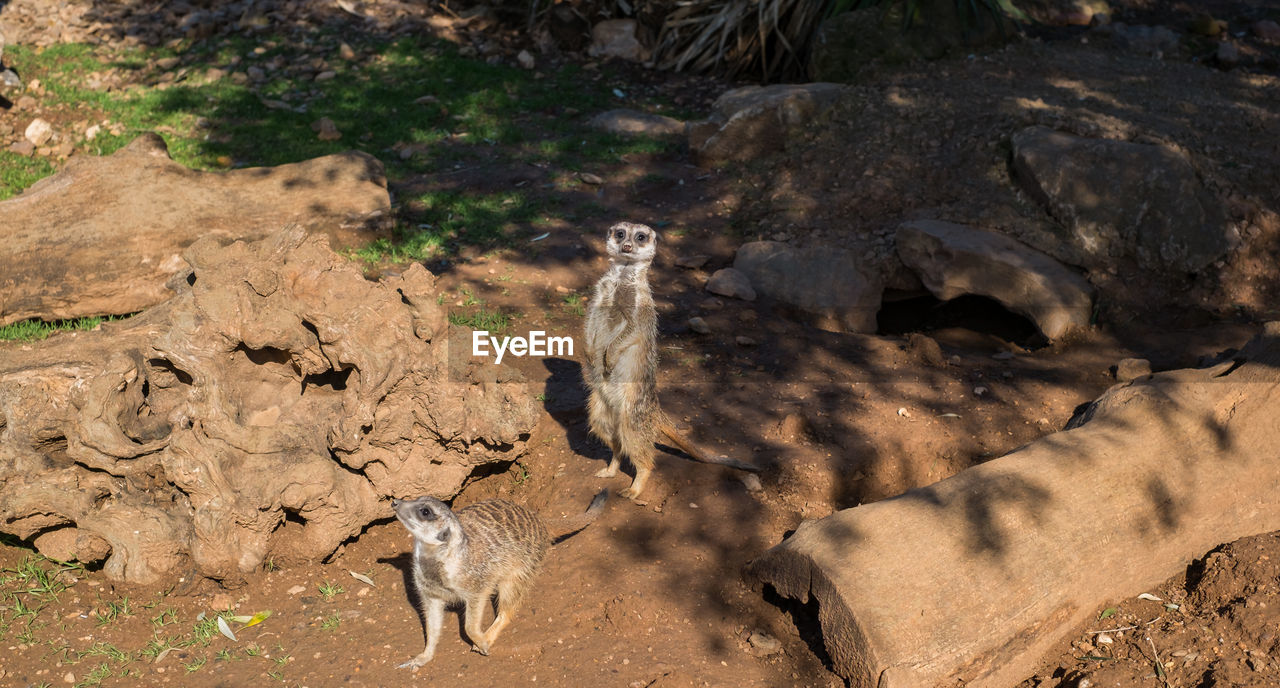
x,y
653,595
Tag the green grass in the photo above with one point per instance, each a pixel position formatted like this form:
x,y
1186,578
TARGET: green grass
x,y
482,319
35,330
332,622
453,113
329,590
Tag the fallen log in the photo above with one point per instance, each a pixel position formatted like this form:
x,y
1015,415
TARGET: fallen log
x,y
105,234
969,581
267,410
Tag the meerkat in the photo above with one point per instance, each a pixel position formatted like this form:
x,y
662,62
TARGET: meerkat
x,y
622,361
466,557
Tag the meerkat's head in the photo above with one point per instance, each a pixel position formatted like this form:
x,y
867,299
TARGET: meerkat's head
x,y
629,242
429,520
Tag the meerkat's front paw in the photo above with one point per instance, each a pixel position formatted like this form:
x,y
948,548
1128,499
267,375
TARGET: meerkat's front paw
x,y
482,649
416,662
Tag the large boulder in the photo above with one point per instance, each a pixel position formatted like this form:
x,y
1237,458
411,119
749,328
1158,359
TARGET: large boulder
x,y
105,234
268,410
1116,198
752,121
833,287
952,260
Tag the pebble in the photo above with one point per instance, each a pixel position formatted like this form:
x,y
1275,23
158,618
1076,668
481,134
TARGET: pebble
x,y
1132,368
744,340
692,262
751,481
699,325
764,643
39,132
24,148
296,589
980,390
526,60
326,75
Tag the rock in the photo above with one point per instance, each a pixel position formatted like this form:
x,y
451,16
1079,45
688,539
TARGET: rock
x,y
326,75
764,643
1121,199
72,544
24,148
525,59
751,121
9,80
92,132
1065,12
1152,41
1267,30
953,260
844,43
743,340
692,262
38,132
278,394
926,350
130,215
731,283
832,286
699,325
1227,55
222,602
1131,369
326,130
618,38
635,123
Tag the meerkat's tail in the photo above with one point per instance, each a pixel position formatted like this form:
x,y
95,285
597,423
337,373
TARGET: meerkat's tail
x,y
667,429
570,526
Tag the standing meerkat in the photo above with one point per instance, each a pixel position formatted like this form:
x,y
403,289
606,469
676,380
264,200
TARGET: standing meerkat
x,y
622,360
466,557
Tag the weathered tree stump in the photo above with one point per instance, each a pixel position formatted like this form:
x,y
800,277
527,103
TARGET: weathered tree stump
x,y
268,409
970,580
104,235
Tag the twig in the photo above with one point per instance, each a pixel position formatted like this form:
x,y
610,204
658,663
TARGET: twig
x,y
1160,672
1113,630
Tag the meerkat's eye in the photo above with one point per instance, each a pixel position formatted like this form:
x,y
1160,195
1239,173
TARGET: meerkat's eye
x,y
427,514
641,237
619,235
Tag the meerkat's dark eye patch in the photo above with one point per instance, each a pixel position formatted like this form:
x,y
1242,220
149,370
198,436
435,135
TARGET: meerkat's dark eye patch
x,y
619,235
640,238
426,513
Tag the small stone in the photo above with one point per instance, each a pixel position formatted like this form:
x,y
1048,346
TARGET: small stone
x,y
526,60
729,282
751,481
744,340
9,79
764,643
24,148
326,130
38,132
326,75
592,179
92,132
222,601
1266,30
1132,369
296,589
69,678
692,262
980,390
699,325
1228,54
346,52
256,73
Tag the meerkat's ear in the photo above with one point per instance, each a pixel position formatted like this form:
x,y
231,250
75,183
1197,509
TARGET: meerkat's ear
x,y
443,536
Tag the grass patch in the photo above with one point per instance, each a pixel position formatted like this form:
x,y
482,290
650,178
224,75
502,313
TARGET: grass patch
x,y
482,319
35,330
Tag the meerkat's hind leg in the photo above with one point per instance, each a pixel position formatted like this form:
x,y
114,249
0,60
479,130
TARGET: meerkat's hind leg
x,y
472,617
433,621
615,461
603,426
641,454
510,590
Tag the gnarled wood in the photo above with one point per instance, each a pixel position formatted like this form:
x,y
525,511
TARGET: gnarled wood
x,y
104,235
268,409
970,580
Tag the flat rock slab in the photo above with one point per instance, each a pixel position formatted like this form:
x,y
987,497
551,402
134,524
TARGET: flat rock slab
x,y
971,580
635,123
751,121
830,285
1122,199
952,260
105,234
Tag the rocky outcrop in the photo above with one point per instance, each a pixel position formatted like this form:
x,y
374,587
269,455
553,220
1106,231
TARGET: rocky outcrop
x,y
266,410
105,234
952,260
752,121
1122,199
830,286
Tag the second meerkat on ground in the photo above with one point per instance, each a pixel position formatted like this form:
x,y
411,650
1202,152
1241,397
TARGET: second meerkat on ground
x,y
622,360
